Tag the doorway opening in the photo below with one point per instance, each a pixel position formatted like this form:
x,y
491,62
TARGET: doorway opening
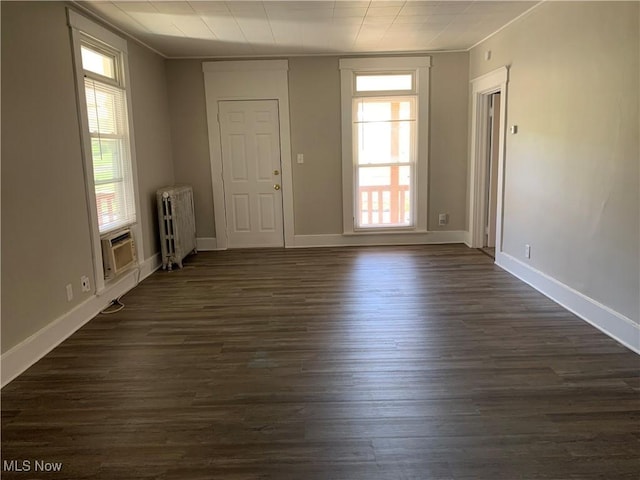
x,y
252,217
487,161
491,180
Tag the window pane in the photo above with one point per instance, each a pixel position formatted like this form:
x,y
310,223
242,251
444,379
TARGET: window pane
x,y
385,136
405,175
374,176
385,142
112,174
109,200
105,106
381,83
114,202
385,130
107,159
382,109
98,62
384,196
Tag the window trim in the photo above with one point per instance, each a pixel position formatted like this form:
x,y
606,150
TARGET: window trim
x,y
349,68
83,28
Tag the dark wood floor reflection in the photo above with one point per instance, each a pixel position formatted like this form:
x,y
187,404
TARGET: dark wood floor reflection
x,y
357,363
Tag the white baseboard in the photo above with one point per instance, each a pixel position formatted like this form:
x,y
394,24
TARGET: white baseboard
x,y
467,239
28,352
339,240
150,265
22,356
205,244
614,324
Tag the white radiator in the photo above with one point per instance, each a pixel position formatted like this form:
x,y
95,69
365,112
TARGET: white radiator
x,y
177,224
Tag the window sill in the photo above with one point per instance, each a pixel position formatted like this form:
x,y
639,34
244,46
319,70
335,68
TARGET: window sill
x,y
385,231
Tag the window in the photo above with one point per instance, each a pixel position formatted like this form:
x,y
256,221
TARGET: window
x,y
372,83
99,62
384,132
100,59
384,102
109,133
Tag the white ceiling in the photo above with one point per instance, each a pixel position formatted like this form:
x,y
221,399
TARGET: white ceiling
x,y
271,28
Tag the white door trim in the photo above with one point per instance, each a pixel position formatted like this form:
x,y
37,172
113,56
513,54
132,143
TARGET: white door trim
x,y
251,173
248,80
482,87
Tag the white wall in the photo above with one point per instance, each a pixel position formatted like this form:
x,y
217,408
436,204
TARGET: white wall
x,y
314,99
572,170
43,194
190,137
151,121
571,176
45,224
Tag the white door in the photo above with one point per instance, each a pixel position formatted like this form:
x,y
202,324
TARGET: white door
x,y
251,173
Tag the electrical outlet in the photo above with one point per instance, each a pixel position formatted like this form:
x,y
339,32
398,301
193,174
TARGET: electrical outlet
x,y
300,158
527,251
86,285
69,292
443,219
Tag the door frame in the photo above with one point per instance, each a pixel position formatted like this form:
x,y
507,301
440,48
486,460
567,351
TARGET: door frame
x,y
491,187
482,88
229,207
248,80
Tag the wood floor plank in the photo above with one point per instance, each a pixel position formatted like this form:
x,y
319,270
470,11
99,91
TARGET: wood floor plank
x,y
413,362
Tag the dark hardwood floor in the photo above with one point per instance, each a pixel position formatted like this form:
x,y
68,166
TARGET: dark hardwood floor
x,y
420,362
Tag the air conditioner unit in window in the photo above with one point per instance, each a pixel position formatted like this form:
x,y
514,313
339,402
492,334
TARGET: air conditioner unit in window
x,y
118,253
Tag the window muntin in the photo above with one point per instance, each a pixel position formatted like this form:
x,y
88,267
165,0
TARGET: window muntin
x,y
384,82
384,136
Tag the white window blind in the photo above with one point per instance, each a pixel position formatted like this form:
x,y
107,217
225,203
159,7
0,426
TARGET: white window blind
x,y
113,180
